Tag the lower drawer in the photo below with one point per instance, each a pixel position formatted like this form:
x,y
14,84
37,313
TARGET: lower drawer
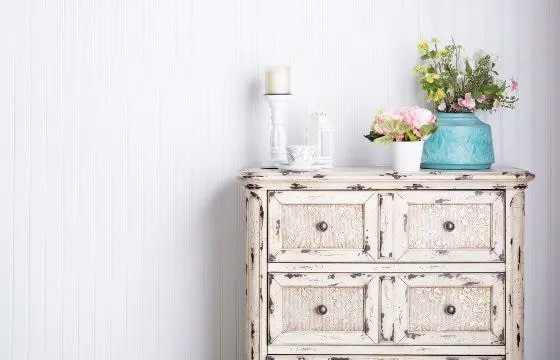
x,y
360,357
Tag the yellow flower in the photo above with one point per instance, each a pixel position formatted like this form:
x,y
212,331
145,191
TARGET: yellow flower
x,y
420,69
430,77
422,46
439,95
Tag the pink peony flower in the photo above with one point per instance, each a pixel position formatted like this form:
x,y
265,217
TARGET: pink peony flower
x,y
378,127
514,85
468,102
414,118
420,117
398,113
481,98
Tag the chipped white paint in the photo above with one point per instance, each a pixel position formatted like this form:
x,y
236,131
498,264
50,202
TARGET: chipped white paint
x,y
389,350
413,226
344,357
295,319
381,267
295,219
419,323
255,242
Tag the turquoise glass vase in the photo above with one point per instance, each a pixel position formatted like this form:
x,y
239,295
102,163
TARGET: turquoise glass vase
x,y
462,142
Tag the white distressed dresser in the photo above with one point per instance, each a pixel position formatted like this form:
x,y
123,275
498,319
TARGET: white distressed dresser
x,y
369,264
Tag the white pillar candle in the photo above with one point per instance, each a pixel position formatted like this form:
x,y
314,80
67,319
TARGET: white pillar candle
x,y
277,80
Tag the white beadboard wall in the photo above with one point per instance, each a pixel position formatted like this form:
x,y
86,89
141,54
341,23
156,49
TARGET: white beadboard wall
x,y
124,122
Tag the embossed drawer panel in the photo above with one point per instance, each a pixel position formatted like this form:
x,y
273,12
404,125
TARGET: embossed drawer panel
x,y
443,309
442,226
362,357
322,309
322,226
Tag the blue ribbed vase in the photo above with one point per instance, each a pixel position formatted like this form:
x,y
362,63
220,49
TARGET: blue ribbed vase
x,y
462,142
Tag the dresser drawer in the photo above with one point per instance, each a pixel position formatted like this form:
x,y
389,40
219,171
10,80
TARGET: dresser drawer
x,y
363,357
322,226
322,309
416,309
443,309
442,226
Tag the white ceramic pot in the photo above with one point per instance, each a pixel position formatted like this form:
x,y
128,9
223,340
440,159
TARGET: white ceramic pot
x,y
407,155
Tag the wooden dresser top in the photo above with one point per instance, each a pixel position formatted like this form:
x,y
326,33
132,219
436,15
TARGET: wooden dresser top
x,y
366,178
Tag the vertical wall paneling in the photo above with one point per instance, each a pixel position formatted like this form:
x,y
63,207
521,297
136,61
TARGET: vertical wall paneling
x,y
554,247
123,124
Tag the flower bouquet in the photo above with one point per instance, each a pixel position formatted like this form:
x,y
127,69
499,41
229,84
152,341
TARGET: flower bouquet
x,y
454,83
405,128
458,86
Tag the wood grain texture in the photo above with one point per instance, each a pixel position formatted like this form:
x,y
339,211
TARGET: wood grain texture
x,y
123,124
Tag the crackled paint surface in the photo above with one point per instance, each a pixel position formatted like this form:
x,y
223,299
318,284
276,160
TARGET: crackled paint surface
x,y
345,226
345,309
427,308
472,226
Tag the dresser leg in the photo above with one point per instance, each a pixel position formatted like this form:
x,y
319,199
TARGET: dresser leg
x,y
515,213
256,222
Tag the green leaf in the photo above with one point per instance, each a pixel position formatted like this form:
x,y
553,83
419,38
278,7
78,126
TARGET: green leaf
x,y
372,136
431,87
491,89
385,139
411,136
468,67
428,129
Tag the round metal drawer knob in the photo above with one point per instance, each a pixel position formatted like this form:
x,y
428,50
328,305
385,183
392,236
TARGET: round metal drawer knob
x,y
322,226
450,309
321,309
449,225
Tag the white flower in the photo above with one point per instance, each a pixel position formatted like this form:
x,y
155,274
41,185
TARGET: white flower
x,y
496,103
442,106
461,64
479,54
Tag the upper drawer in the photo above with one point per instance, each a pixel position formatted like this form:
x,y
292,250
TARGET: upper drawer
x,y
442,226
322,226
402,226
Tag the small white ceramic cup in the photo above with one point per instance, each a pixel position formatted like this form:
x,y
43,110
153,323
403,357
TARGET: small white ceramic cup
x,y
301,154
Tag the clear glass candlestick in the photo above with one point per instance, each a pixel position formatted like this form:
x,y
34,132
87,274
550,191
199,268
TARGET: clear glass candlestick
x,y
320,135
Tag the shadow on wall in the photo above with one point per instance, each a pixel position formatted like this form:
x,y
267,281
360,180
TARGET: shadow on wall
x,y
219,302
256,128
363,153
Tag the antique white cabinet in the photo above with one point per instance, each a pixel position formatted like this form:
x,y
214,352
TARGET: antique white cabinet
x,y
369,264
